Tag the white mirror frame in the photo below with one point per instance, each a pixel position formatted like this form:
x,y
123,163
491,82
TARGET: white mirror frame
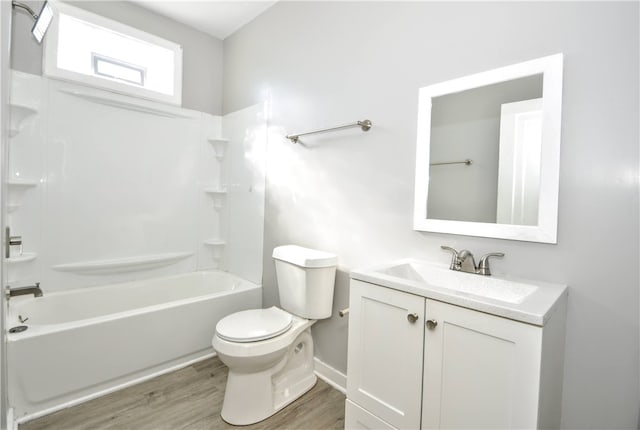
x,y
546,230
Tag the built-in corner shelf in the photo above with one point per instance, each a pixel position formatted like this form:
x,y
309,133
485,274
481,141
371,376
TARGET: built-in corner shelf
x,y
215,242
217,247
25,257
21,183
122,265
219,146
19,113
17,188
218,195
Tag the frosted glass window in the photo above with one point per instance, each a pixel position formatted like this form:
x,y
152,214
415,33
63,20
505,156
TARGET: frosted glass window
x,y
92,49
110,68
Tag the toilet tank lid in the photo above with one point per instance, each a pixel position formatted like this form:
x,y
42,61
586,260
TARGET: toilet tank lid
x,y
304,257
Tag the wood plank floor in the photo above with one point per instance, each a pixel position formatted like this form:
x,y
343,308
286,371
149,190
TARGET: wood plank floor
x,y
190,398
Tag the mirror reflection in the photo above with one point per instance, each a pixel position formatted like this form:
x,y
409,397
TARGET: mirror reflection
x,y
488,153
485,153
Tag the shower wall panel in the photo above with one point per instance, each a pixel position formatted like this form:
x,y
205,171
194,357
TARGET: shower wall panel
x,y
107,188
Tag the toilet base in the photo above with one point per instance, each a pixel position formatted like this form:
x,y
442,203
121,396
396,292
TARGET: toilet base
x,y
253,397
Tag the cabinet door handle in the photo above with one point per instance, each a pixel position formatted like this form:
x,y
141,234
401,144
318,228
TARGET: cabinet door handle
x,y
412,318
431,324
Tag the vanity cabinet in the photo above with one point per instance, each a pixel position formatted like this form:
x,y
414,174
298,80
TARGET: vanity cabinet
x,y
419,363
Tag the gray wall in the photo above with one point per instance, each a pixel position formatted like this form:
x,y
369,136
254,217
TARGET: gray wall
x,y
327,63
202,54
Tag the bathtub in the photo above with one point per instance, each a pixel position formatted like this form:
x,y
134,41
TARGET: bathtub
x,y
85,343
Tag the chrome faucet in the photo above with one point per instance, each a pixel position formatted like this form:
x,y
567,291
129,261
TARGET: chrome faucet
x,y
20,291
466,261
463,261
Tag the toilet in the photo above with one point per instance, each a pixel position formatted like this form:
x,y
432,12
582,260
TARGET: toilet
x,y
269,352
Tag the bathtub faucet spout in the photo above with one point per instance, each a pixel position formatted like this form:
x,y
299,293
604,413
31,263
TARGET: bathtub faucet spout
x,y
31,289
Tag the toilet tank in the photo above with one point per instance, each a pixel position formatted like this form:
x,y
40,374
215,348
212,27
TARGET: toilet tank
x,y
306,278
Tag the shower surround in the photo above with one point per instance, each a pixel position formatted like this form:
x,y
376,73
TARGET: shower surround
x,y
107,191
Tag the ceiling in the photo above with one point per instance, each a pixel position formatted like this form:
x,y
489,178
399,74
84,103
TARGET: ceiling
x,y
215,17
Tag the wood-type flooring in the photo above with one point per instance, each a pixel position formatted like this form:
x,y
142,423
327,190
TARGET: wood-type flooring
x,y
190,398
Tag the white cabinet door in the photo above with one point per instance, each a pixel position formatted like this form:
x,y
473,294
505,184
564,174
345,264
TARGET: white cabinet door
x,y
386,331
480,371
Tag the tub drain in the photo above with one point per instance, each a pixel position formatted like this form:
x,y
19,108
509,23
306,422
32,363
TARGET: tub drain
x,y
18,329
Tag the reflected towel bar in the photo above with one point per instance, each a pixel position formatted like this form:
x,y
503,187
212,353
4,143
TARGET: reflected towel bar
x,y
467,162
365,125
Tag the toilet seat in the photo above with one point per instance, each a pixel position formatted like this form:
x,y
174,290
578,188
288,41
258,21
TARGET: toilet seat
x,y
254,325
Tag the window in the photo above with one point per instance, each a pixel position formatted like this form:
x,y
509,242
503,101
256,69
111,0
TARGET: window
x,y
97,51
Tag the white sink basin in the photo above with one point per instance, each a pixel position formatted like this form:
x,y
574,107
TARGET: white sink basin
x,y
467,283
522,300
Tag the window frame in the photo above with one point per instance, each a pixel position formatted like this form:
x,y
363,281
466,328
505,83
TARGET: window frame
x,y
50,56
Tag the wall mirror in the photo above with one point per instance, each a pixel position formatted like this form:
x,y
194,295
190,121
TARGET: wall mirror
x,y
488,153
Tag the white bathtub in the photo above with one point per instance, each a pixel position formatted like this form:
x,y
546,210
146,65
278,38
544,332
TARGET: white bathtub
x,y
85,343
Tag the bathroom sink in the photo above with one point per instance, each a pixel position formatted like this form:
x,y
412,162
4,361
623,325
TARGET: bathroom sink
x,y
522,300
466,283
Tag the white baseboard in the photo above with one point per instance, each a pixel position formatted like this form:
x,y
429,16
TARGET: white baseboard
x,y
330,375
11,422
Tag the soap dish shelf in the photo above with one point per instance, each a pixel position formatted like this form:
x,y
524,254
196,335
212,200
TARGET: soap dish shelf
x,y
217,247
17,189
218,195
21,183
23,258
19,114
219,146
12,207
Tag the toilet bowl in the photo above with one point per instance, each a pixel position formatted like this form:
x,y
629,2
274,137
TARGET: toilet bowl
x,y
266,375
269,352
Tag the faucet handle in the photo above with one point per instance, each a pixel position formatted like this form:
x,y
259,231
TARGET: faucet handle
x,y
483,265
454,256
